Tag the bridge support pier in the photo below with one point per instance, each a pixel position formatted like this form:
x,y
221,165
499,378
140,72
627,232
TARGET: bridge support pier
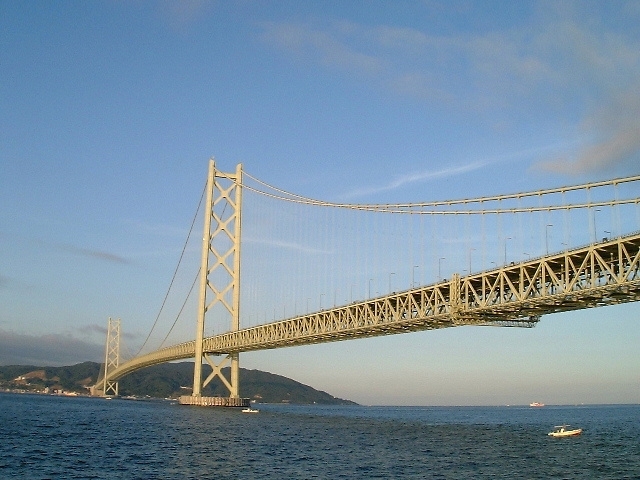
x,y
214,401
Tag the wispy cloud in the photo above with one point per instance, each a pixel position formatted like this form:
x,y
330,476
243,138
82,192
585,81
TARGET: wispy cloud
x,y
417,64
288,246
98,254
329,47
181,15
99,330
564,63
68,248
417,177
93,328
452,171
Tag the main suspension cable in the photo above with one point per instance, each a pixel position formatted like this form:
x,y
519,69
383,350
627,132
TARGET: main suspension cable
x,y
175,272
181,309
416,208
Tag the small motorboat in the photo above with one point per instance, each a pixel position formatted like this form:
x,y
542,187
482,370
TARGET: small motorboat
x,y
563,431
250,410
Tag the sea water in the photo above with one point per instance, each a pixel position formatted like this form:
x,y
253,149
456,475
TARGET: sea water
x,y
45,437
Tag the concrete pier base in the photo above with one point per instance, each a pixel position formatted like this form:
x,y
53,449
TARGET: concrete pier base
x,y
214,401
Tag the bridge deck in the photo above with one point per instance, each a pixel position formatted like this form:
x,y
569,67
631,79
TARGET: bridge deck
x,y
606,273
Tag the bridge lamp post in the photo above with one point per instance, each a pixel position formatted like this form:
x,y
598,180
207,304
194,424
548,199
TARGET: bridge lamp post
x,y
321,295
470,250
608,234
413,275
595,230
528,255
440,267
505,249
392,273
546,236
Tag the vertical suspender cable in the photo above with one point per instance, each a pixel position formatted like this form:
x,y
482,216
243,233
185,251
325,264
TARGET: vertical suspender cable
x,y
565,221
617,211
592,218
483,235
521,246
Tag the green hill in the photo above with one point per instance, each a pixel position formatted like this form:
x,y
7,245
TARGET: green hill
x,y
162,381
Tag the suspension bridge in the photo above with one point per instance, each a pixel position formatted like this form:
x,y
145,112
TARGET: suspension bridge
x,y
390,268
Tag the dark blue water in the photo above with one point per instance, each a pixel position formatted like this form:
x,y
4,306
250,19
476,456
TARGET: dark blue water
x,y
43,437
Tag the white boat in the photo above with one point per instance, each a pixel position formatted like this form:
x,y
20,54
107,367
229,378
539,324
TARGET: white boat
x,y
250,410
536,404
562,431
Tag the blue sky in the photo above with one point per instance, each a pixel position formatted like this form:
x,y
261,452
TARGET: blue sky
x,y
109,112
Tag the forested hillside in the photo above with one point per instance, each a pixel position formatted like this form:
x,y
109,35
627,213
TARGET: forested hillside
x,y
161,381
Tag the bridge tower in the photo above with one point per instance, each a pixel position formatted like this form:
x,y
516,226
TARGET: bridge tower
x,y
219,283
111,356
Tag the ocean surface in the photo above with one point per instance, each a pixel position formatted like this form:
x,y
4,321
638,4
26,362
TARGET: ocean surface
x,y
46,437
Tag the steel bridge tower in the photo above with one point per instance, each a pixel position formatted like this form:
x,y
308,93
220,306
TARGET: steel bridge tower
x,y
219,282
111,357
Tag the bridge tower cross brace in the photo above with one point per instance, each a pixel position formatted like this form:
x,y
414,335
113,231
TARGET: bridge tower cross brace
x,y
219,272
111,356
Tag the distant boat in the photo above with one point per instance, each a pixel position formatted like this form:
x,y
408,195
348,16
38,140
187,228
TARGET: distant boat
x,y
250,410
561,431
536,404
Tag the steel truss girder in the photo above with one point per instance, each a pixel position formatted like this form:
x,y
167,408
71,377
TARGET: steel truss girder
x,y
601,274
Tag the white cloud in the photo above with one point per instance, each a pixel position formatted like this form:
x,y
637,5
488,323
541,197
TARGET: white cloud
x,y
603,155
615,134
